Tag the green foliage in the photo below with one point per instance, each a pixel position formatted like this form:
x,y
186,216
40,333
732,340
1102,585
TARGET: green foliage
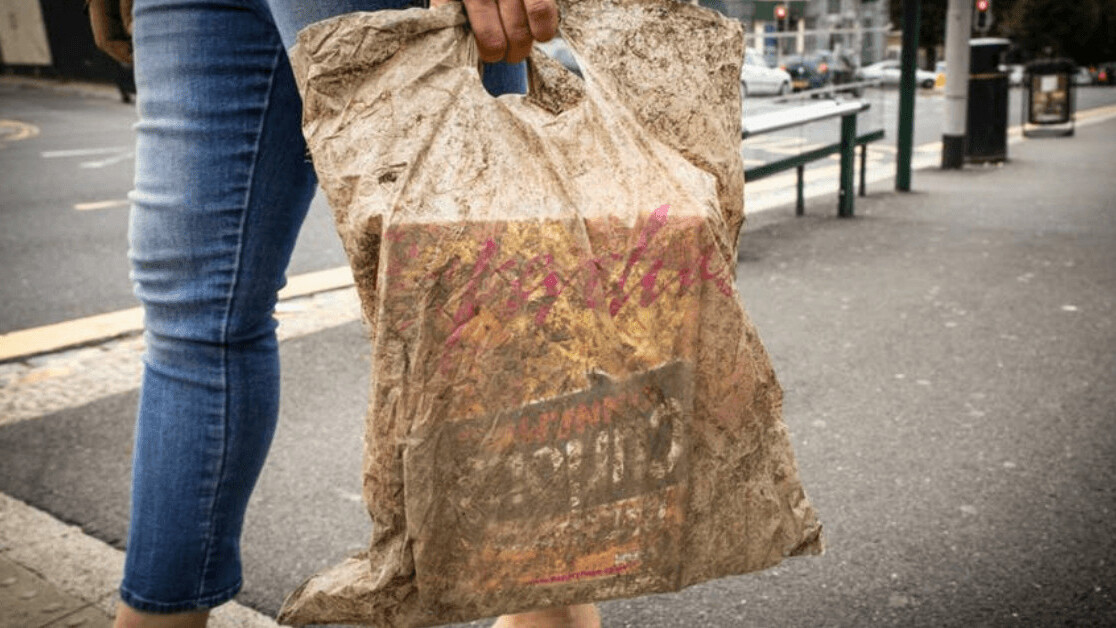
x,y
1084,30
931,31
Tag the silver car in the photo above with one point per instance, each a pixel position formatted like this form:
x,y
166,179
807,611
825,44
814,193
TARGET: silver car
x,y
756,77
890,71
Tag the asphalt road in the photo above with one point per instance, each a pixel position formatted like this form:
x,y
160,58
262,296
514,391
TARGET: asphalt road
x,y
949,361
58,261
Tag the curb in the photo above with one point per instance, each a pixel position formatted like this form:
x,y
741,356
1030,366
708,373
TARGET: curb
x,y
53,574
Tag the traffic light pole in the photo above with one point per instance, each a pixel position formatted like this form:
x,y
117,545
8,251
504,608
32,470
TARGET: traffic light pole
x,y
908,61
958,26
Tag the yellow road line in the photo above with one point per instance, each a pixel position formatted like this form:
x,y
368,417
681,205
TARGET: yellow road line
x,y
1095,112
320,281
98,328
14,130
28,342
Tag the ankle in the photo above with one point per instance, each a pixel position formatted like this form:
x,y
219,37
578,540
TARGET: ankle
x,y
128,617
579,616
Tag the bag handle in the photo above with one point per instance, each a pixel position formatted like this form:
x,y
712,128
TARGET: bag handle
x,y
638,55
673,65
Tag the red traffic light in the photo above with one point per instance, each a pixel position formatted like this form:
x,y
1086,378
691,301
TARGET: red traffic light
x,y
781,11
982,5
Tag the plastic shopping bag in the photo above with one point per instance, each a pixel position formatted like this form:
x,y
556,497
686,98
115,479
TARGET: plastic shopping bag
x,y
568,402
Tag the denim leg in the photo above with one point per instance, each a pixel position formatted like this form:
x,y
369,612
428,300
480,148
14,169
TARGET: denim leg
x,y
222,187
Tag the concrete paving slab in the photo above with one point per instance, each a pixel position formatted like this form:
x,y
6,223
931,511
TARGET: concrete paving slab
x,y
29,601
14,519
76,563
87,617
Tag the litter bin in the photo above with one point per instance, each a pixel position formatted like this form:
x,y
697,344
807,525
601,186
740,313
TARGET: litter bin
x,y
986,128
1049,97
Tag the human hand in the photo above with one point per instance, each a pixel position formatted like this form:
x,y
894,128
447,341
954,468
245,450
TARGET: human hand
x,y
108,30
506,29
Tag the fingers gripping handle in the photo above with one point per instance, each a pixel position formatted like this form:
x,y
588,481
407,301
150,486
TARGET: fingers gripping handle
x,y
675,67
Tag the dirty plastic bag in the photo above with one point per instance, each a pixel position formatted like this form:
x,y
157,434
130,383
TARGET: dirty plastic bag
x,y
568,403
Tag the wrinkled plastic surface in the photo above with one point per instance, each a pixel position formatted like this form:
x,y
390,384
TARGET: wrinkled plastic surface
x,y
568,402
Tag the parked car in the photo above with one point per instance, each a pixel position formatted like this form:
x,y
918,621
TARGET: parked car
x,y
819,69
757,78
842,68
805,72
889,72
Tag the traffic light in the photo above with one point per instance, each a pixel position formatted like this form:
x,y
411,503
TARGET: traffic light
x,y
982,15
781,11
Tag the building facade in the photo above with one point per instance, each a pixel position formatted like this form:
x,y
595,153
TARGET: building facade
x,y
854,28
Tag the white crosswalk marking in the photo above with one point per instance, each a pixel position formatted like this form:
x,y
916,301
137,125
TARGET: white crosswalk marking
x,y
115,159
84,152
94,205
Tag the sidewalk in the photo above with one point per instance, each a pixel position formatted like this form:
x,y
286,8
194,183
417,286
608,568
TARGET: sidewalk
x,y
53,574
29,600
948,359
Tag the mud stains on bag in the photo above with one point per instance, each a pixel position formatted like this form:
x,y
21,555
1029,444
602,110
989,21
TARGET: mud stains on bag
x,y
568,402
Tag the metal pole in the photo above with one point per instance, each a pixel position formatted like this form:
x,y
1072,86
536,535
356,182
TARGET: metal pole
x,y
863,167
800,202
958,26
911,10
858,33
848,165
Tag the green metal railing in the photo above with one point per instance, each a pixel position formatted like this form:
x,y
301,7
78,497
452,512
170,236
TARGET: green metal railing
x,y
846,148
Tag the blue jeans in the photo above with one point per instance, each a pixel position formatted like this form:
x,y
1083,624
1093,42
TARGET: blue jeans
x,y
222,187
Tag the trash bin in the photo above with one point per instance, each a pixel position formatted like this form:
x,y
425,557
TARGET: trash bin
x,y
1049,97
987,116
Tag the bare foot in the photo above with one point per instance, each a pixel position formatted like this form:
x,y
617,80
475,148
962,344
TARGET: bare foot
x,y
128,617
580,616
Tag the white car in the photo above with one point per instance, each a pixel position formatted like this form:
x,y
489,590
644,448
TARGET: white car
x,y
757,78
889,72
